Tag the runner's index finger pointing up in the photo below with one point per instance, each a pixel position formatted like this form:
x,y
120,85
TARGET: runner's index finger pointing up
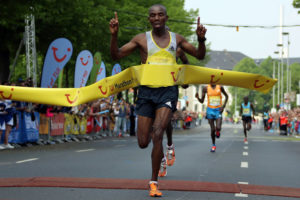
x,y
116,16
198,21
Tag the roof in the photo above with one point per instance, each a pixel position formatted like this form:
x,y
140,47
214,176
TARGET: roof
x,y
228,59
224,59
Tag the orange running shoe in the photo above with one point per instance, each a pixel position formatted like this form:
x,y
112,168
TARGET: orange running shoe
x,y
153,190
170,156
213,148
163,168
245,140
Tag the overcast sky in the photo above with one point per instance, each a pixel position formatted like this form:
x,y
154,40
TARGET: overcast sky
x,y
253,42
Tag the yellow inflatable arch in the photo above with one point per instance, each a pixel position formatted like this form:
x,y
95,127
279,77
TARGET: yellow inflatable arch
x,y
146,74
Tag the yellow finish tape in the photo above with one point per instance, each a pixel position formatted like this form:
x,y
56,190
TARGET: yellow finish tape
x,y
150,75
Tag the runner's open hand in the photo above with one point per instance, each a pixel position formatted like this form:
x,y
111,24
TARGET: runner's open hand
x,y
114,24
201,30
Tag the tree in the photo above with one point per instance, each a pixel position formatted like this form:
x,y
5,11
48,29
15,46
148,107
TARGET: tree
x,y
12,16
296,4
85,24
259,100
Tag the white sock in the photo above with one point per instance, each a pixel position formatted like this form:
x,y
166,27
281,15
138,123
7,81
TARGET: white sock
x,y
170,147
155,182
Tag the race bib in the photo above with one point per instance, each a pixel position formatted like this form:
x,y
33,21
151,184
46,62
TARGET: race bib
x,y
215,100
246,111
161,57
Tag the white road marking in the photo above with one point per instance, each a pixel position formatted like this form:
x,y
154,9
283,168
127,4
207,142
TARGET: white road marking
x,y
241,195
27,160
244,164
245,153
85,150
246,142
245,147
120,145
119,140
243,183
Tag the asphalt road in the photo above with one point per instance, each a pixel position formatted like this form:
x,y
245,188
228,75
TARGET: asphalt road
x,y
267,160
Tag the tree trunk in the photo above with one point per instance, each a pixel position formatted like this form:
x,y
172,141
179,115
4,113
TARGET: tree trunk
x,y
4,65
66,77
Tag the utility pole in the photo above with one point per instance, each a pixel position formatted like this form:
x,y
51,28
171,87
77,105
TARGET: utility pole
x,y
281,50
31,62
273,87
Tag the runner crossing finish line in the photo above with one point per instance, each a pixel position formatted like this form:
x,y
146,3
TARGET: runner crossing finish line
x,y
145,74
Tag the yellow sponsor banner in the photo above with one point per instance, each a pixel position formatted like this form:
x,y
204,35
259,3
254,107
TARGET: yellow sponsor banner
x,y
150,75
44,124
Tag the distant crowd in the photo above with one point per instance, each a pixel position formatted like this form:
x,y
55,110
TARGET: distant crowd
x,y
288,121
112,116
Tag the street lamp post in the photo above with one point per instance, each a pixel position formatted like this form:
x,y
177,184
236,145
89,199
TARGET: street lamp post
x,y
287,62
288,77
281,75
273,87
278,77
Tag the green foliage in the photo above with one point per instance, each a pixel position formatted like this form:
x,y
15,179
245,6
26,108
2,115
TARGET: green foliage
x,y
295,69
260,100
86,24
296,4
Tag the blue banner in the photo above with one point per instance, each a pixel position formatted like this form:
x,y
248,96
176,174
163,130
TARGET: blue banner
x,y
58,54
31,126
116,69
101,74
25,128
84,64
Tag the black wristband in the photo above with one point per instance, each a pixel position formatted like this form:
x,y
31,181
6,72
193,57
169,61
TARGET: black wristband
x,y
201,39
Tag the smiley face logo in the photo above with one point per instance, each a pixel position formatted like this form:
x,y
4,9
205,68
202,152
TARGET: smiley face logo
x,y
97,61
260,85
116,70
173,75
100,70
84,63
54,49
112,88
103,92
72,101
212,81
6,97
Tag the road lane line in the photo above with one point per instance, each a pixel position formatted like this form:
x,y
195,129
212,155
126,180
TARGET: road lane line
x,y
244,164
245,153
245,147
241,195
243,183
119,145
27,160
246,142
85,150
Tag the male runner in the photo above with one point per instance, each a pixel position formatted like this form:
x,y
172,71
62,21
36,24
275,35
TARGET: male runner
x,y
214,109
247,109
155,105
